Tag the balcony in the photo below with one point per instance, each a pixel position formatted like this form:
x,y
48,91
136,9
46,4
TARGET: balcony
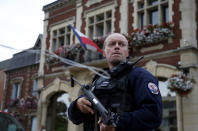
x,y
75,53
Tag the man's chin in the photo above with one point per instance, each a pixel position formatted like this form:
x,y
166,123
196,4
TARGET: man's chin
x,y
115,62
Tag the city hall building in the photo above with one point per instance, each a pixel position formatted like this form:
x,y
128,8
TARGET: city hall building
x,y
163,31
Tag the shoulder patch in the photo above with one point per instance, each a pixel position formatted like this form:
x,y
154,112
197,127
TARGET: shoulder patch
x,y
153,88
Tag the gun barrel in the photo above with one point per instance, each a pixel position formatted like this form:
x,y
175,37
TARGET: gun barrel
x,y
76,81
138,59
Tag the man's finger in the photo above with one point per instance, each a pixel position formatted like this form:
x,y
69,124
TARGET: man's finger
x,y
84,105
86,102
104,127
87,108
100,120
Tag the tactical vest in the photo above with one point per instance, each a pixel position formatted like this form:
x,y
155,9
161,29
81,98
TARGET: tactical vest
x,y
115,94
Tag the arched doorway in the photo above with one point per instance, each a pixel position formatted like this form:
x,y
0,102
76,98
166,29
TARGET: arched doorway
x,y
48,97
57,118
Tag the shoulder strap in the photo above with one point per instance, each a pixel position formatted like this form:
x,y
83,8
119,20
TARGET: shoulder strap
x,y
122,106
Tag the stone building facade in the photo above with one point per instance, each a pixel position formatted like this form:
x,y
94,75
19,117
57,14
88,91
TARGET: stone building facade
x,y
97,18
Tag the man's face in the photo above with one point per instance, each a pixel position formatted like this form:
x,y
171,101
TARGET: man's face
x,y
116,49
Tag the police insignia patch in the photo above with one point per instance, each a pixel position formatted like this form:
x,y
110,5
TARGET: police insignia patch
x,y
153,88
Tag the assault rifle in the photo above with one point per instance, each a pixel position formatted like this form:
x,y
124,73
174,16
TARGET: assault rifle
x,y
108,117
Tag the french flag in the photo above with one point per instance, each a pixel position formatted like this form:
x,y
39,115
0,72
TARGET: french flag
x,y
85,41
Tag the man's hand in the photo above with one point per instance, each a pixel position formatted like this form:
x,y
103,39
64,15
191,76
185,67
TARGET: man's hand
x,y
104,127
84,105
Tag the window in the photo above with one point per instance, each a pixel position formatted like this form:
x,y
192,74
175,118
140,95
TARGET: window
x,y
15,90
141,20
34,88
61,37
152,12
16,87
165,14
153,17
152,2
100,24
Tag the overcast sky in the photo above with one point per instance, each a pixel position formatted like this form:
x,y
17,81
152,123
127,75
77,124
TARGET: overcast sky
x,y
21,21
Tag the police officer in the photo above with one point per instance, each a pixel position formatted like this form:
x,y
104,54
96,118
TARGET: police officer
x,y
132,93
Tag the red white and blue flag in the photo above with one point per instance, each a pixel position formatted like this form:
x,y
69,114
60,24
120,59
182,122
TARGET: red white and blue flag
x,y
85,41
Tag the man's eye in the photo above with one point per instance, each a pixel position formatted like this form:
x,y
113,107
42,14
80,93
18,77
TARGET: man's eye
x,y
112,43
121,44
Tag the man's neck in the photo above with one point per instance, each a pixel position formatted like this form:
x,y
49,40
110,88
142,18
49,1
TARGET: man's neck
x,y
112,65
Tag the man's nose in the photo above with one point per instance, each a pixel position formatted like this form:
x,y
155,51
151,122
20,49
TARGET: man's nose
x,y
117,45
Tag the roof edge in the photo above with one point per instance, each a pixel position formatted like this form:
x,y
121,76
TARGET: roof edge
x,y
55,4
